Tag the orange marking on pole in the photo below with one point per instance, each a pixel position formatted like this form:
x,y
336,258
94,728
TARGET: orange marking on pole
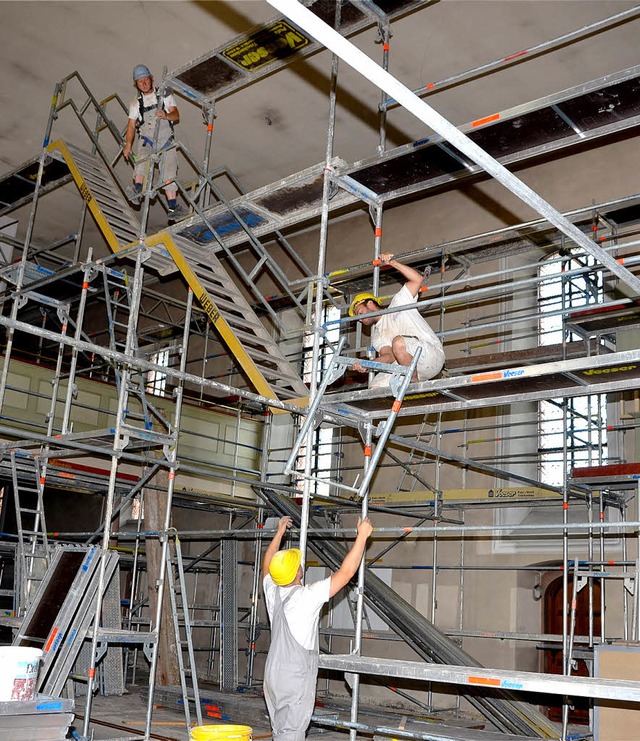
x,y
430,86
85,285
91,673
56,535
395,407
43,479
424,289
367,451
574,604
172,475
565,505
376,262
491,376
259,526
408,529
485,120
210,127
602,515
620,260
516,55
611,563
378,232
482,680
51,640
385,47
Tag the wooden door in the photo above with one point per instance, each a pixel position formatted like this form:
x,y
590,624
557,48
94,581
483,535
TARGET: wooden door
x,y
553,624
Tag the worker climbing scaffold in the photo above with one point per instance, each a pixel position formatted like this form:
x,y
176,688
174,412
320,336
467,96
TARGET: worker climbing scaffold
x,y
155,135
396,335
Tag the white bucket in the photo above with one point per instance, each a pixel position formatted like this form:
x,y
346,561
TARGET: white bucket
x,y
19,672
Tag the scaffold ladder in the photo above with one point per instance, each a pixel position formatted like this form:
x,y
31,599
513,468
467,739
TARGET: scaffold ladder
x,y
118,302
182,629
32,551
399,380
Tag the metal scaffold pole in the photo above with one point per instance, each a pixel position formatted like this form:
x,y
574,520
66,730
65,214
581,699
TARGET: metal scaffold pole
x,y
318,298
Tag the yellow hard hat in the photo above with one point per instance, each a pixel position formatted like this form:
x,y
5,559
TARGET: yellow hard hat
x,y
360,298
284,566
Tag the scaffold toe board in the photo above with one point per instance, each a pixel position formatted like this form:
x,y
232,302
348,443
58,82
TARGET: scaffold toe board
x,y
603,318
577,377
19,186
595,109
617,475
274,44
245,336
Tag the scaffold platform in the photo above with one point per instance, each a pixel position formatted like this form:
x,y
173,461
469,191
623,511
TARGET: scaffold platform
x,y
588,375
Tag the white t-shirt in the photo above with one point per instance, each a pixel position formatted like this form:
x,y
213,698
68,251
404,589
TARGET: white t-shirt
x,y
150,99
408,323
301,609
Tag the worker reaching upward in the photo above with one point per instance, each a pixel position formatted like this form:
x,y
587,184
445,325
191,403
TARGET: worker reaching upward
x,y
396,335
291,669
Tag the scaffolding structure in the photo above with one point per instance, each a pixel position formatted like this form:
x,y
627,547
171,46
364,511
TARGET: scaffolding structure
x,y
220,251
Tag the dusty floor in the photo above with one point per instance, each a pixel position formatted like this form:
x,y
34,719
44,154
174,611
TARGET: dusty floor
x,y
124,717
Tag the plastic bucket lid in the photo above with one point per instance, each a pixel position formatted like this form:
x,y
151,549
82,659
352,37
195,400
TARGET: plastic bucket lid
x,y
220,733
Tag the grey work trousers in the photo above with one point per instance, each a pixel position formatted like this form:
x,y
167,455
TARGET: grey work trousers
x,y
290,676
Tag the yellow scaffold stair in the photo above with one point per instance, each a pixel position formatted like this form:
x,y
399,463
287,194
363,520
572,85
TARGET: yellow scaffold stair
x,y
244,334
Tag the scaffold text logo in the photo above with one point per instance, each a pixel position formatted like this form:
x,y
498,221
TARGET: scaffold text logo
x,y
270,44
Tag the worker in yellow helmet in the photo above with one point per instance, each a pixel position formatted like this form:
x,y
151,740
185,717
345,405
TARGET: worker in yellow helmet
x,y
395,336
291,669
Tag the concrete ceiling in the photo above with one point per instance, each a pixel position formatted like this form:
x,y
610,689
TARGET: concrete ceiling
x,y
278,126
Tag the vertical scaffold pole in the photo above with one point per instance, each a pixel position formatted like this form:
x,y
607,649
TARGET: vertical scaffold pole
x,y
319,293
171,456
109,503
357,643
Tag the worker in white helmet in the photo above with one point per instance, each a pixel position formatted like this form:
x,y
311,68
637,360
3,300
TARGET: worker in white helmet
x,y
291,670
396,335
144,111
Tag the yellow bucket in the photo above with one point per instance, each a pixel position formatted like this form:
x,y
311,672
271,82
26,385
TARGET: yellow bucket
x,y
221,733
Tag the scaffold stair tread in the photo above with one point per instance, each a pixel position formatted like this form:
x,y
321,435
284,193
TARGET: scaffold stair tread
x,y
102,193
112,635
253,347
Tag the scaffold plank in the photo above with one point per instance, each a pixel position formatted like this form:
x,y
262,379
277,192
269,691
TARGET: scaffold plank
x,y
478,677
576,377
272,45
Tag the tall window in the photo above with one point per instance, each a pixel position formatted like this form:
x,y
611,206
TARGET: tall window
x,y
586,416
322,455
156,380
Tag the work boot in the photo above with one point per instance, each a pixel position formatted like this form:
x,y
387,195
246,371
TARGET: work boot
x,y
133,194
176,213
